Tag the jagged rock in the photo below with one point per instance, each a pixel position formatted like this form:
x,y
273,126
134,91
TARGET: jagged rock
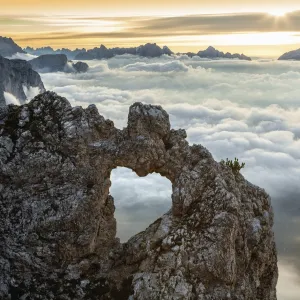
x,y
57,225
8,47
211,52
291,55
48,50
15,75
147,50
57,63
96,53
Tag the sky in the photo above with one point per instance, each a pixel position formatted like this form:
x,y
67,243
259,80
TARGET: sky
x,y
255,28
243,109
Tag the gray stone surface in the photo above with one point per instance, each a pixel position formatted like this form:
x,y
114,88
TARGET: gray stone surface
x,y
14,76
8,47
57,225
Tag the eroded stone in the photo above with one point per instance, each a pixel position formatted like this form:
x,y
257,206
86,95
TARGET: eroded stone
x,y
57,225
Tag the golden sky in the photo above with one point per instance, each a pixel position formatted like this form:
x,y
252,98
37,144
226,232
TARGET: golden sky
x,y
256,27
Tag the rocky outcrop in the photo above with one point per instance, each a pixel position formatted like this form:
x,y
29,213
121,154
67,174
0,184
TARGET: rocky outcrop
x,y
57,225
291,55
211,52
15,76
49,50
96,53
57,63
152,50
8,47
147,50
80,67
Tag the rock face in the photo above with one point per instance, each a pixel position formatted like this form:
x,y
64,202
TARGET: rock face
x,y
57,63
15,75
57,225
291,55
8,47
211,52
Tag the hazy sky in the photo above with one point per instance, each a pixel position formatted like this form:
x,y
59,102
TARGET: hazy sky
x,y
256,28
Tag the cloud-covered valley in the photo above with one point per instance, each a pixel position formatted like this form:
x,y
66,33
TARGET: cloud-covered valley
x,y
248,110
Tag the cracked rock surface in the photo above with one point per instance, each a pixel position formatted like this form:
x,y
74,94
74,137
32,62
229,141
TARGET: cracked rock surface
x,y
15,76
57,226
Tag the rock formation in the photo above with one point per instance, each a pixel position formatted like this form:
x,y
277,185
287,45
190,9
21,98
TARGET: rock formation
x,y
147,50
57,225
211,52
96,53
49,50
153,50
57,63
8,47
291,55
80,67
15,76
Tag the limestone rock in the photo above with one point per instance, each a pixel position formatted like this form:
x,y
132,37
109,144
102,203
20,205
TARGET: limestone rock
x,y
8,47
15,76
57,225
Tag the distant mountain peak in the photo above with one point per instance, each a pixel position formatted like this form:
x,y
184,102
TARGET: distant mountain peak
x,y
8,47
291,55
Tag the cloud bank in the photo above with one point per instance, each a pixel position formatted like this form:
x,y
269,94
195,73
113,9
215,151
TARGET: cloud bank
x,y
11,99
234,108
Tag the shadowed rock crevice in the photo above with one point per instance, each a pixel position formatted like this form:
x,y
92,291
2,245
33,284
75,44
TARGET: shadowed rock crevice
x,y
57,225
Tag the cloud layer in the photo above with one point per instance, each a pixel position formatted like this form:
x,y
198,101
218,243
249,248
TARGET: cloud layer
x,y
234,108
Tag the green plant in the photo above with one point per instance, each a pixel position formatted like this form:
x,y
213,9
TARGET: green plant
x,y
234,165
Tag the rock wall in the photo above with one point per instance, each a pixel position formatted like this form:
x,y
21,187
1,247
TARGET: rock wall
x,y
8,47
16,74
57,225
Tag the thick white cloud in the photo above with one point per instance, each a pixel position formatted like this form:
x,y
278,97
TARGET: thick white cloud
x,y
139,200
11,99
24,56
157,67
248,110
31,92
288,285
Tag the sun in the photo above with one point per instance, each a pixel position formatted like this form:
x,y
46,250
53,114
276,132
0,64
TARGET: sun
x,y
278,13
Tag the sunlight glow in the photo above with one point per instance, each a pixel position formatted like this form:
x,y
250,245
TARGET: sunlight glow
x,y
278,13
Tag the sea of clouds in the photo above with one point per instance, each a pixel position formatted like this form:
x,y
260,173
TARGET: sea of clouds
x,y
248,110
